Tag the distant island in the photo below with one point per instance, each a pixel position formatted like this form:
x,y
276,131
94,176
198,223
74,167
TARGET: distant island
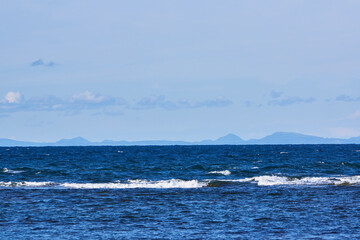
x,y
230,139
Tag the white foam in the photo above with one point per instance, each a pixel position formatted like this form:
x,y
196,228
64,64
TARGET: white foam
x,y
225,172
277,180
240,180
5,170
172,183
177,183
280,180
26,184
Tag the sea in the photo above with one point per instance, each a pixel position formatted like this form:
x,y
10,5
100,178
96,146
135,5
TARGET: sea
x,y
180,192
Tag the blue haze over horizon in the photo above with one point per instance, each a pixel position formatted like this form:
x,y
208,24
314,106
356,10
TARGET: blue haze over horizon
x,y
186,70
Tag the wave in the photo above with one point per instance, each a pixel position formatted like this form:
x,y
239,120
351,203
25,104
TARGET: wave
x,y
177,183
27,184
275,180
225,172
5,170
281,180
172,183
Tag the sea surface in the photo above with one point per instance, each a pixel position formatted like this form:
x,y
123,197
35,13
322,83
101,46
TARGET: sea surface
x,y
180,192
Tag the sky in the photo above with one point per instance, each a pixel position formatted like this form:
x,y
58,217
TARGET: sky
x,y
178,70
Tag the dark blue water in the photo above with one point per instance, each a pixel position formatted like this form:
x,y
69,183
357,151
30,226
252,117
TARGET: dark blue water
x,y
177,192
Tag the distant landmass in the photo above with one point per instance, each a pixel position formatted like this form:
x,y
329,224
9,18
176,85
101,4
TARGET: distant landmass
x,y
230,139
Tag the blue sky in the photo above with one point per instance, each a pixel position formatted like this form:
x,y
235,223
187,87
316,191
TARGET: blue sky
x,y
178,70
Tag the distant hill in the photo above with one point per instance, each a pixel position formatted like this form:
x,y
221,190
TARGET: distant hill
x,y
353,140
230,139
295,138
12,143
78,141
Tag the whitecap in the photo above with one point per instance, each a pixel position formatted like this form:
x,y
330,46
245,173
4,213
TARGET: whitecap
x,y
172,183
306,181
240,180
225,172
5,170
177,183
277,180
26,184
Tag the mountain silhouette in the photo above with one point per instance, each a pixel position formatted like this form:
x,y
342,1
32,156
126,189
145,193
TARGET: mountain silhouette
x,y
229,139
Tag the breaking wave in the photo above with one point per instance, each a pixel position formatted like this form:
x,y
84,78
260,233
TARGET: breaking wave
x,y
27,184
177,183
279,180
5,170
306,181
172,183
225,172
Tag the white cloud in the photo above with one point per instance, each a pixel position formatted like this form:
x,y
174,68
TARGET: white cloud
x,y
13,97
87,96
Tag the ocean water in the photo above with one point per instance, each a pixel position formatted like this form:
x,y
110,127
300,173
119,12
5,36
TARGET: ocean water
x,y
180,192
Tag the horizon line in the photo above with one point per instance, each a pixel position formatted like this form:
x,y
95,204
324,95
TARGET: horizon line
x,y
224,138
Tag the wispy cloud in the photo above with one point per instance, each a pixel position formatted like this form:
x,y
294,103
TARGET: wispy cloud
x,y
89,100
15,102
154,102
162,102
87,97
109,112
278,98
276,94
347,98
252,104
105,105
40,62
286,101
